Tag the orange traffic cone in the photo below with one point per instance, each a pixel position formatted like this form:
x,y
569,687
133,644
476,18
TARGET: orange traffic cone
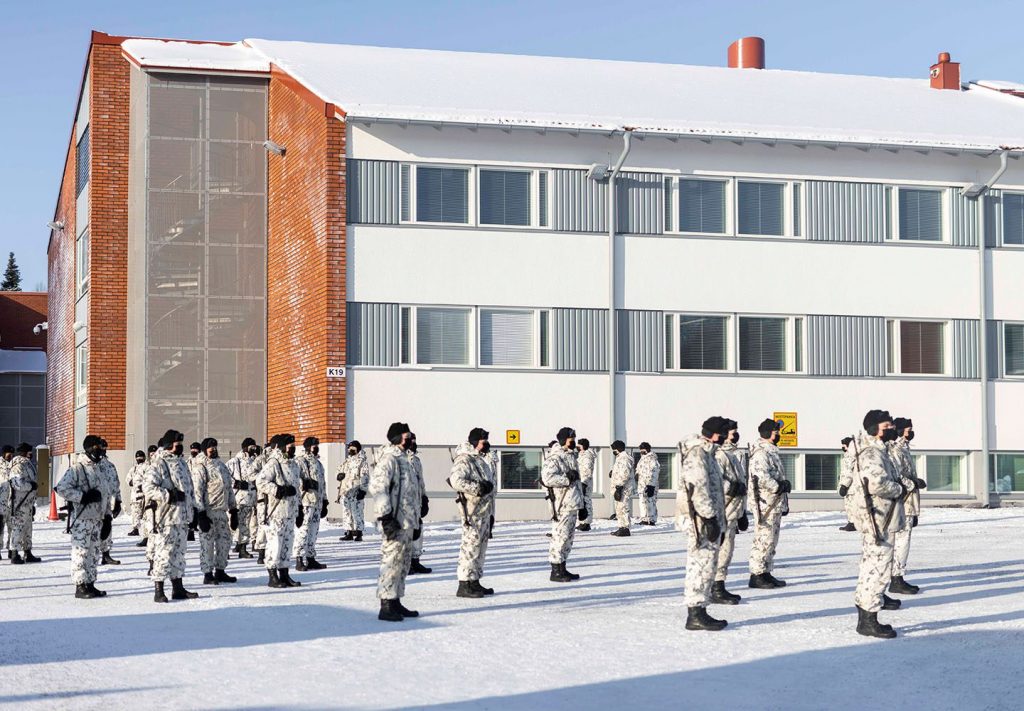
x,y
53,508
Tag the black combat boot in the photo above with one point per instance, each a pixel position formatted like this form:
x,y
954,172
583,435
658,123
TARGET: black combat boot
x,y
208,579
82,592
477,586
583,527
869,626
571,576
899,586
97,593
349,536
761,581
558,575
775,581
243,552
221,577
405,611
890,603
178,591
287,579
262,556
29,558
722,596
466,590
158,593
417,568
621,532
16,558
142,543
848,527
108,560
358,536
313,564
300,564
133,532
697,618
274,580
389,612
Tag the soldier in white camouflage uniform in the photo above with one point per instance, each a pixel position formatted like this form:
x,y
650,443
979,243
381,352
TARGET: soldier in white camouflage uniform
x,y
259,511
114,483
701,508
474,480
243,481
561,476
218,512
135,506
586,458
279,483
733,463
899,452
415,566
5,495
353,483
648,478
87,490
623,487
879,516
148,513
313,503
24,482
845,479
398,502
769,491
168,487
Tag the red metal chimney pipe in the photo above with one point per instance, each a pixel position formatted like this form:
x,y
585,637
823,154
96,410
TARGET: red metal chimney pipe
x,y
945,74
747,53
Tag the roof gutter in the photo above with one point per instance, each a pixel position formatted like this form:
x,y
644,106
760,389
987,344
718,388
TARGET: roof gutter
x,y
613,425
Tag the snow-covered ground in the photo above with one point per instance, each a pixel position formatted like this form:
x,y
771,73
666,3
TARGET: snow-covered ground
x,y
615,639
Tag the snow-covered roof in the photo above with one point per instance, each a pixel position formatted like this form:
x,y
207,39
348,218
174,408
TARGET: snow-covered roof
x,y
416,85
176,54
22,361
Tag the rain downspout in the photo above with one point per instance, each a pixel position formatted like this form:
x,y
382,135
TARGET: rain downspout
x,y
627,138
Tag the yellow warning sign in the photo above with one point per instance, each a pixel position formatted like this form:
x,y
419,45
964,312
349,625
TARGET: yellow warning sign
x,y
787,428
511,436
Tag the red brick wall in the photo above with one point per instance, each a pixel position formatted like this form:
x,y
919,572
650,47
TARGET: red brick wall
x,y
108,257
20,311
305,266
60,334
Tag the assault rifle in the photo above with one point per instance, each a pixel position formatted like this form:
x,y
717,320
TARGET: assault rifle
x,y
689,496
869,503
460,498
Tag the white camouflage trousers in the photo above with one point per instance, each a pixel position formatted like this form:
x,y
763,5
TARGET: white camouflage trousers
x,y
85,551
725,552
305,537
5,528
107,544
352,512
21,529
215,545
875,572
169,551
473,550
588,503
246,521
649,506
395,559
563,531
280,536
766,540
624,511
135,511
901,550
700,571
259,542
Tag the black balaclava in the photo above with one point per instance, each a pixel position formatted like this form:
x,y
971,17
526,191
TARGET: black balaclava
x,y
354,448
194,449
249,446
845,442
412,446
645,447
93,448
311,445
7,452
140,456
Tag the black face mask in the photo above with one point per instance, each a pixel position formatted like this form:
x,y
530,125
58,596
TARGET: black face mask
x,y
411,447
774,438
177,449
734,437
314,450
889,435
251,451
486,448
139,460
290,451
95,454
910,436
213,454
352,452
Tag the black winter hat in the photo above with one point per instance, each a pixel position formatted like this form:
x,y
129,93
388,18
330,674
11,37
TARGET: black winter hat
x,y
766,428
195,445
355,443
8,449
713,425
731,425
476,434
309,443
845,441
873,419
618,446
140,453
151,448
24,447
902,423
564,434
585,443
395,432
248,442
207,443
645,446
169,438
89,442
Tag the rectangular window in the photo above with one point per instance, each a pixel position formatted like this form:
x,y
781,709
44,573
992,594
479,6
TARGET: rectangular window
x,y
82,166
1013,348
82,264
668,204
404,337
519,469
506,338
942,472
442,194
665,459
545,339
1008,470
405,213
703,342
920,215
542,198
761,208
762,344
798,345
796,209
670,361
81,374
1013,218
916,347
702,206
504,197
789,467
821,472
442,336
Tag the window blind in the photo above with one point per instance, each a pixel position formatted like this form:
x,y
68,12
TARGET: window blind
x,y
82,156
442,194
1013,348
702,342
760,208
1013,218
442,336
504,197
821,472
702,206
921,347
920,215
762,344
506,338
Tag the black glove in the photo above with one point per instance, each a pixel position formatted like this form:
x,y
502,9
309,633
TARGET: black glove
x,y
913,521
203,519
424,506
92,496
389,526
341,476
844,490
175,496
492,528
712,530
486,487
34,485
300,518
310,485
581,514
743,523
573,476
284,491
117,509
650,491
737,488
785,486
617,495
360,494
921,483
105,528
903,490
323,509
241,485
233,519
417,533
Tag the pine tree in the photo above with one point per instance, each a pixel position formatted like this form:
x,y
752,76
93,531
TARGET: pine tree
x,y
12,275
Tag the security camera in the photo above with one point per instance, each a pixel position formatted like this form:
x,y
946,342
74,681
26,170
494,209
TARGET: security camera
x,y
275,148
56,226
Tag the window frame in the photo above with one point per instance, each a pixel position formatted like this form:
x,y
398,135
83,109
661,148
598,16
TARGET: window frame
x,y
893,231
674,197
677,354
802,470
921,465
1003,355
82,374
471,194
992,483
499,475
787,207
411,344
538,342
1002,219
533,197
893,350
789,346
83,245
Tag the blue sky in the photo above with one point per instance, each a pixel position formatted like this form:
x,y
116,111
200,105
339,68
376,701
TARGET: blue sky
x,y
44,43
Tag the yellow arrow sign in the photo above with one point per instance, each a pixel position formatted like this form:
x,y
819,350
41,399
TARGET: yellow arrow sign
x,y
511,436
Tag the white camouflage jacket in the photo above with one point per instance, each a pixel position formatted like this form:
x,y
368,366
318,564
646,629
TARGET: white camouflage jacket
x,y
733,471
554,474
587,460
135,476
83,475
314,483
899,451
622,473
873,464
357,474
766,468
702,475
5,488
23,482
280,471
212,482
648,471
113,480
169,472
395,490
243,469
469,470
